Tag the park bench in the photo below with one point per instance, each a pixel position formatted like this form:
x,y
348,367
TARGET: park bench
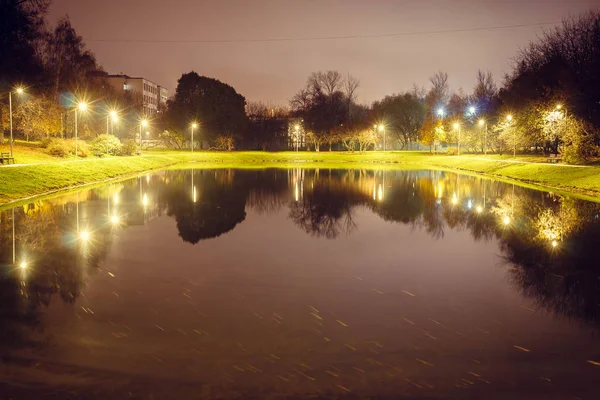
x,y
5,158
554,158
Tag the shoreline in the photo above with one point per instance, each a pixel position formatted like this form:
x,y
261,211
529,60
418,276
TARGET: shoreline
x,y
26,182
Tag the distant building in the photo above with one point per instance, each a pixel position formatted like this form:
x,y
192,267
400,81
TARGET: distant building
x,y
152,94
163,95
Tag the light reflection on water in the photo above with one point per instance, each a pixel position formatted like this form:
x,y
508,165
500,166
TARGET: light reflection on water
x,y
296,282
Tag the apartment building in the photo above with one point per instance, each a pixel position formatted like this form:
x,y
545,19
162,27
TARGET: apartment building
x,y
152,94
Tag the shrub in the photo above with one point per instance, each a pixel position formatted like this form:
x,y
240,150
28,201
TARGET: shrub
x,y
451,151
83,150
128,148
45,142
580,151
58,148
106,144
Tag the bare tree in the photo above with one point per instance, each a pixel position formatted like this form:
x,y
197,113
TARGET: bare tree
x,y
440,90
301,100
351,84
327,82
256,109
485,88
418,91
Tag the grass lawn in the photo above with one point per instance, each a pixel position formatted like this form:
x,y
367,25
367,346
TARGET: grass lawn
x,y
46,174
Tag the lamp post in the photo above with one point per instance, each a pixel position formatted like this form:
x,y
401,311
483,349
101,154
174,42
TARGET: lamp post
x,y
18,90
143,124
381,128
81,106
297,129
194,126
114,116
509,118
483,123
457,128
559,107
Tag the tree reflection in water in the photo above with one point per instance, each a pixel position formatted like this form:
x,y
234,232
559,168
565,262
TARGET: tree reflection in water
x,y
549,241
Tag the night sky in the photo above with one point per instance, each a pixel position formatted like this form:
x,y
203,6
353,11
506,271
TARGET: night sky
x,y
272,71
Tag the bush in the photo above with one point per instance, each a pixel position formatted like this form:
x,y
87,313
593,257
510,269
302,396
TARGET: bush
x,y
83,150
128,148
65,147
580,150
58,148
451,151
106,144
45,142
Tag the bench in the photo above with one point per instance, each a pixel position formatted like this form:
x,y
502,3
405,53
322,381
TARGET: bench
x,y
5,158
554,158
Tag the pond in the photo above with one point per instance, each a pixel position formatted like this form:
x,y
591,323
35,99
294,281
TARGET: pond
x,y
301,283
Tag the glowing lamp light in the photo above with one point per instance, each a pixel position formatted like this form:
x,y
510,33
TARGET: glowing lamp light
x,y
84,236
116,198
472,110
509,117
297,127
145,200
440,112
506,220
456,125
23,265
558,106
194,125
82,106
481,122
380,128
115,219
144,122
454,199
554,243
479,209
114,116
20,90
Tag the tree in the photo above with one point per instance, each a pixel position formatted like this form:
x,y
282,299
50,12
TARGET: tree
x,y
67,60
267,126
558,68
351,84
21,30
484,92
326,105
38,117
216,106
403,116
439,91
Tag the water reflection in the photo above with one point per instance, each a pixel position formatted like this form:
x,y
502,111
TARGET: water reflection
x,y
53,248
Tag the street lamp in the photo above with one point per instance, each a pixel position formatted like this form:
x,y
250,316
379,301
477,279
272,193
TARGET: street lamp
x,y
509,118
114,116
194,126
457,128
143,124
81,107
19,90
381,128
483,123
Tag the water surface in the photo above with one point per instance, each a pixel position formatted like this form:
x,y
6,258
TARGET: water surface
x,y
301,284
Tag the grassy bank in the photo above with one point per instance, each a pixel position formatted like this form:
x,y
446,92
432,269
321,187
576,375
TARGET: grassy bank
x,y
44,177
